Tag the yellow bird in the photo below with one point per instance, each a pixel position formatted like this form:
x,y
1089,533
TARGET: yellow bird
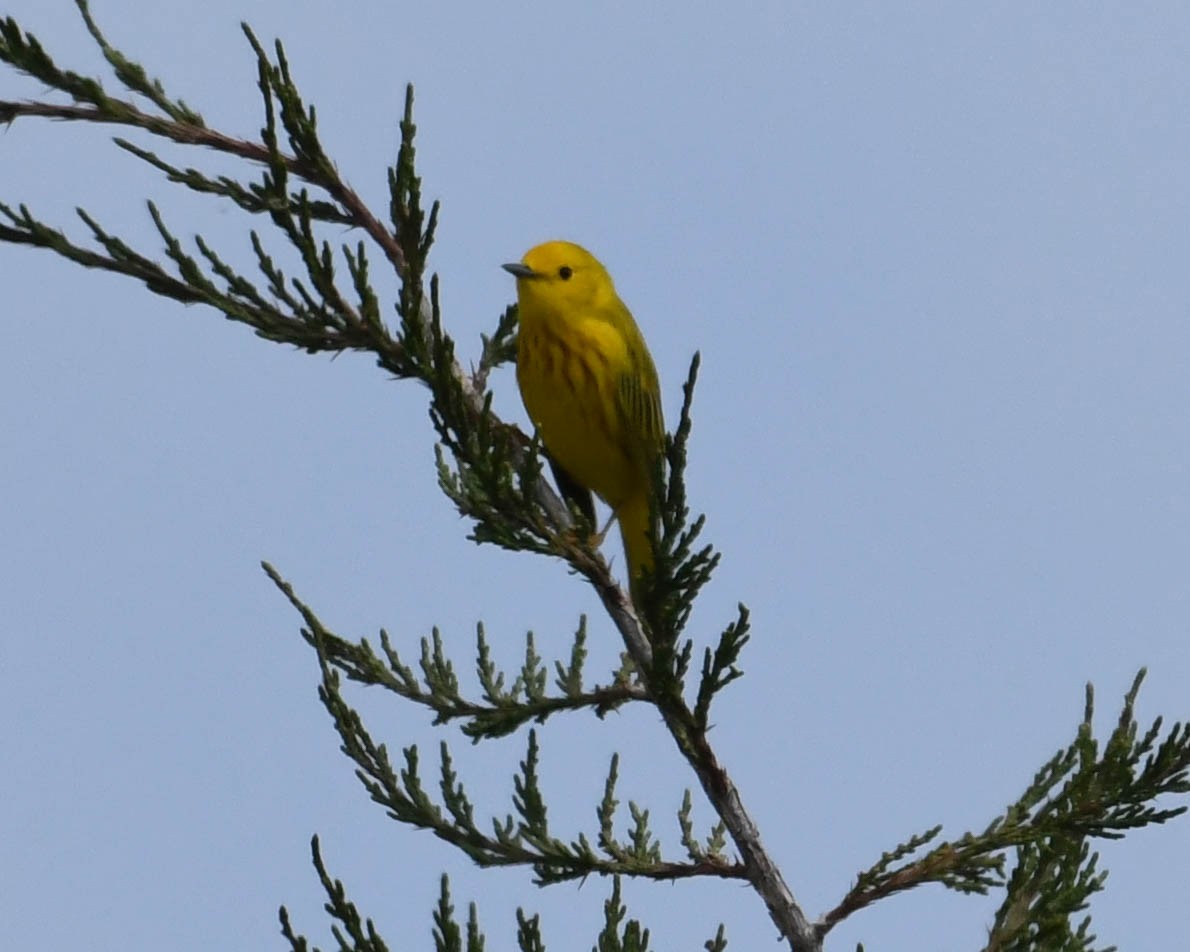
x,y
591,389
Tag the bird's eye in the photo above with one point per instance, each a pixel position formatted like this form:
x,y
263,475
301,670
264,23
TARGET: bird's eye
x,y
565,272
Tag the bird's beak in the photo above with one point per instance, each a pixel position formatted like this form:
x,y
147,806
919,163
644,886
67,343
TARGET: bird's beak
x,y
518,270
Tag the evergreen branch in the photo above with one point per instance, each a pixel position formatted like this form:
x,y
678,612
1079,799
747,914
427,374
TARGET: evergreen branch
x,y
350,211
497,472
719,668
760,869
251,198
183,126
448,937
642,851
1052,881
357,934
698,852
311,325
26,230
528,933
680,572
621,934
498,349
529,803
353,933
133,76
570,678
606,812
494,475
719,942
438,690
1077,794
402,792
321,320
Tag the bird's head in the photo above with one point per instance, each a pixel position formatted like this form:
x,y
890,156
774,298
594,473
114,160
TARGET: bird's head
x,y
561,275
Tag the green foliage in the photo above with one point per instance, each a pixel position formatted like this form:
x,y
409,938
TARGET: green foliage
x,y
523,836
1083,791
619,935
493,475
501,710
681,571
353,933
448,937
351,930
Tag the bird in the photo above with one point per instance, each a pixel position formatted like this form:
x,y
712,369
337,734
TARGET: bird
x,y
591,389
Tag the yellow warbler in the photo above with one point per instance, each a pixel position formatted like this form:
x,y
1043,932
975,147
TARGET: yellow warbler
x,y
591,389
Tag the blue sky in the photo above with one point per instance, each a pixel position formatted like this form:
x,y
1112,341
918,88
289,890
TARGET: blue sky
x,y
934,258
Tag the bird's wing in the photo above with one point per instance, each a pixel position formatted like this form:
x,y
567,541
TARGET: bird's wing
x,y
639,401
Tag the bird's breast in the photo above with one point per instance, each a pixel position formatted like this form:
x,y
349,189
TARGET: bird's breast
x,y
568,378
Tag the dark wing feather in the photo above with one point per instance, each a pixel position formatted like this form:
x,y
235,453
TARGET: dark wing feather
x,y
640,404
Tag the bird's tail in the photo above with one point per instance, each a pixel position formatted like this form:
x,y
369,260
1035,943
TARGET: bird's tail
x,y
634,518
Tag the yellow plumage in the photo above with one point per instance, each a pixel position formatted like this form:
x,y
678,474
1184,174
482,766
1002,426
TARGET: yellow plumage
x,y
590,387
